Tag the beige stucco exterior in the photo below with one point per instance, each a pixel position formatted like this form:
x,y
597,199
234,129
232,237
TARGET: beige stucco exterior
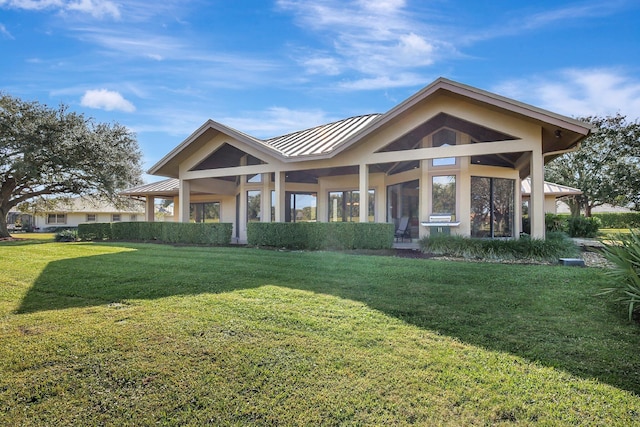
x,y
380,155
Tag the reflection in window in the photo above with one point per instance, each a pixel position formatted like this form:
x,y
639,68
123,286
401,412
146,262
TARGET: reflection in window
x,y
444,138
254,179
492,207
302,207
56,219
253,206
443,191
204,212
404,201
344,206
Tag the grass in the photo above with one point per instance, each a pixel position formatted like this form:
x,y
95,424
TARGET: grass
x,y
143,334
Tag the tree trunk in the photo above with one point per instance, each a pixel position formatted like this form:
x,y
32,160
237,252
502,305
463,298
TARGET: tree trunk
x,y
4,231
587,210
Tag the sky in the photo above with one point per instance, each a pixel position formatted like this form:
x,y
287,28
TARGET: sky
x,y
270,67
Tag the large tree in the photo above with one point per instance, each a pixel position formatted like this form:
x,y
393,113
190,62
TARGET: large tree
x,y
48,152
606,167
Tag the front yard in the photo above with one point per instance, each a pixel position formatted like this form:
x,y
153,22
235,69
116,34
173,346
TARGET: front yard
x,y
144,334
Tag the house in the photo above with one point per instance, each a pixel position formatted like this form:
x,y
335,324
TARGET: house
x,y
82,210
553,195
450,156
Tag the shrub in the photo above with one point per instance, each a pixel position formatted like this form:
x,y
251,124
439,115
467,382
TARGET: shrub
x,y
555,222
583,227
95,231
319,235
619,220
67,235
169,232
556,245
624,254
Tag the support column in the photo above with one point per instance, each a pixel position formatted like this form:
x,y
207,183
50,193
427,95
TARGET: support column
x,y
184,197
150,209
364,193
280,199
536,204
424,198
265,198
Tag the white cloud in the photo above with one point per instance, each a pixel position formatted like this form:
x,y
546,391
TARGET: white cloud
x,y
376,39
95,8
4,32
106,100
579,92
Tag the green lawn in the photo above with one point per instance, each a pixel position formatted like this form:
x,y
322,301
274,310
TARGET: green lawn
x,y
144,334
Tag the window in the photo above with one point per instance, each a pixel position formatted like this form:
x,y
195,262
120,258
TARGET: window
x,y
302,207
344,206
444,138
204,212
443,192
492,206
56,218
254,179
253,206
403,201
115,218
91,217
133,217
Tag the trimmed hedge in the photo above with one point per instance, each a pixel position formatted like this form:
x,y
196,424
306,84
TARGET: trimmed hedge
x,y
619,220
320,235
167,232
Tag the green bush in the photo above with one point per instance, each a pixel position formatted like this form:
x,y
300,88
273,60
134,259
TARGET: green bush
x,y
556,245
94,231
555,222
66,235
320,235
168,232
624,254
583,227
619,220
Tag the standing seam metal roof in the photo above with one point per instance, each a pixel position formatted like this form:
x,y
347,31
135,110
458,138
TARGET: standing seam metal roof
x,y
320,139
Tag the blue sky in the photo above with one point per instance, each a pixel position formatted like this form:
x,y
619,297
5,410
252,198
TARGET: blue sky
x,y
268,67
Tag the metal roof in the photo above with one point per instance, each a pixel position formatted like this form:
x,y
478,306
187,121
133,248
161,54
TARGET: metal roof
x,y
166,186
550,188
320,139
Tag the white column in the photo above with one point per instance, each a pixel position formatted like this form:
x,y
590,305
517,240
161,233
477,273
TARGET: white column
x,y
184,197
364,193
265,198
424,200
150,209
280,199
536,204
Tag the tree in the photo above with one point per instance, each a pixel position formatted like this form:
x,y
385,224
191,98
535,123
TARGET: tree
x,y
47,152
606,168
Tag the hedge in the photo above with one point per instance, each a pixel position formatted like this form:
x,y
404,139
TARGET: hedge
x,y
167,232
619,220
320,235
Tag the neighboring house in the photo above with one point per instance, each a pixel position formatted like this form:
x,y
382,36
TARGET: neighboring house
x,y
553,194
80,210
449,156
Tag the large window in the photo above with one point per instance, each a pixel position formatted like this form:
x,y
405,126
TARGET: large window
x,y
302,207
443,191
404,201
56,218
204,212
253,206
492,207
344,206
444,138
